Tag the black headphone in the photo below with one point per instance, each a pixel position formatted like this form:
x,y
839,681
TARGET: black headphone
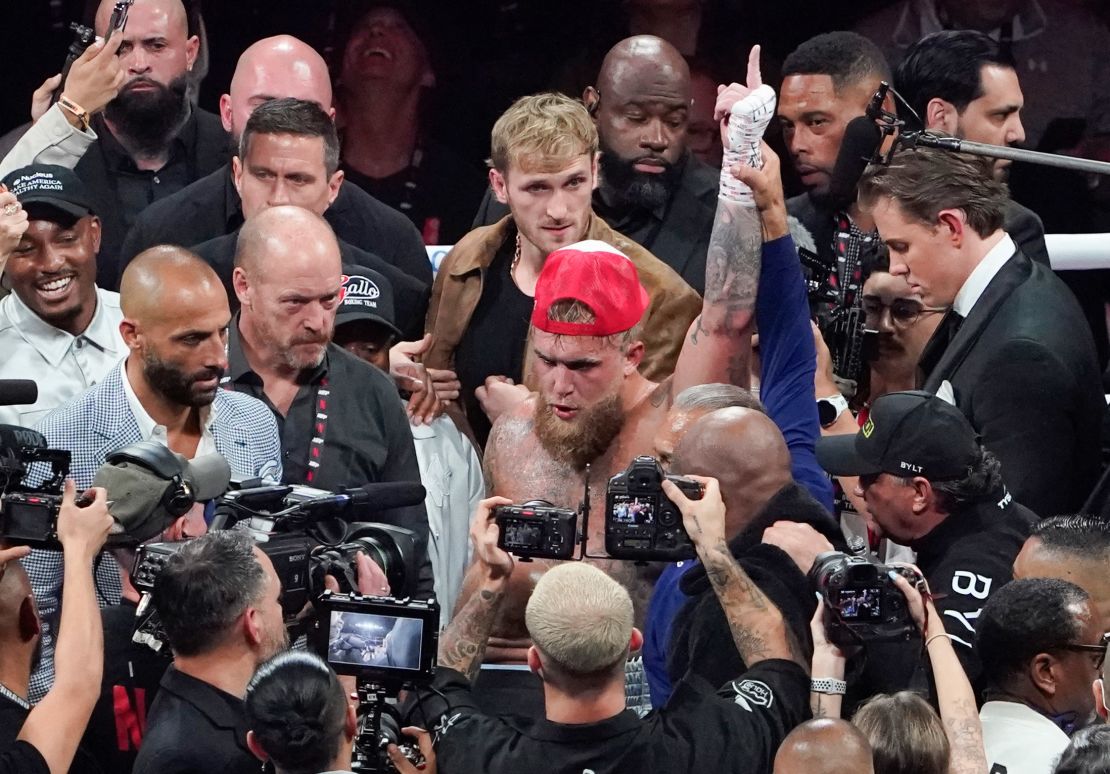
x,y
178,498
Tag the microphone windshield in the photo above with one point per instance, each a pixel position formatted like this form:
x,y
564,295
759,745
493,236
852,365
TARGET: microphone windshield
x,y
862,138
18,392
208,477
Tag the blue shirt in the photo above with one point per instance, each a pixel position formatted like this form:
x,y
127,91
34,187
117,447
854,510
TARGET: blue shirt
x,y
788,360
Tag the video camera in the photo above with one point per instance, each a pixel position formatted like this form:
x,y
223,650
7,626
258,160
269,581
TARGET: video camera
x,y
29,514
641,523
862,602
386,645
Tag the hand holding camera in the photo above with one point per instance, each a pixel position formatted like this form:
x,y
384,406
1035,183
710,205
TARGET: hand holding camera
x,y
83,530
484,534
703,519
95,78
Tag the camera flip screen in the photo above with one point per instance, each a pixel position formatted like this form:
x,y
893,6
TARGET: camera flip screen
x,y
632,510
375,640
860,604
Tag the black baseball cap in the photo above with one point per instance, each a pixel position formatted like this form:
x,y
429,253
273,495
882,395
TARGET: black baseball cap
x,y
910,433
366,295
55,186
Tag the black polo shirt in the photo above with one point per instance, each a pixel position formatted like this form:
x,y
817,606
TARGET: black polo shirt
x,y
410,295
735,729
366,437
676,233
211,207
120,191
195,727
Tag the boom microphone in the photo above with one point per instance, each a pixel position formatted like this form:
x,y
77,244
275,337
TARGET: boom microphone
x,y
18,392
381,496
862,139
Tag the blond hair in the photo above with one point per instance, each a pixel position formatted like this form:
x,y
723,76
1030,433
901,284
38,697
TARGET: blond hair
x,y
580,619
544,132
571,310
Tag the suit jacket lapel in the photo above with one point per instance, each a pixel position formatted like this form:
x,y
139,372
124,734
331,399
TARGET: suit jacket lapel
x,y
1012,274
112,419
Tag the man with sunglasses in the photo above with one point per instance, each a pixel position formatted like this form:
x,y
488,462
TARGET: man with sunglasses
x,y
928,484
1042,645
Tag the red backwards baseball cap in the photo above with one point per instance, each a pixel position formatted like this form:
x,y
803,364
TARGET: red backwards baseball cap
x,y
597,275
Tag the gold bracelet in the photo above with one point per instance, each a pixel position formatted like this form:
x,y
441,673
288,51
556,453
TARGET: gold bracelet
x,y
75,110
942,634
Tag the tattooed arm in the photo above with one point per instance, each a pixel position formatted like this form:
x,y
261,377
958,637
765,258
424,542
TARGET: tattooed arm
x,y
955,697
463,642
757,625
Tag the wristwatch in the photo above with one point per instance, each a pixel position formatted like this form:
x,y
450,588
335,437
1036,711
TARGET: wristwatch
x,y
828,685
829,409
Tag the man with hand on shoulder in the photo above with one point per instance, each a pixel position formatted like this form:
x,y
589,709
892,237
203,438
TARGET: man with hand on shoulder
x,y
581,624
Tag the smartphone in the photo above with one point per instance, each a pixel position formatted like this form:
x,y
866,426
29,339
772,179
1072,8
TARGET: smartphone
x,y
118,21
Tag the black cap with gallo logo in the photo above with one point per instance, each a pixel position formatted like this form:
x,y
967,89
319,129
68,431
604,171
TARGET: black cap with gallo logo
x,y
365,295
906,434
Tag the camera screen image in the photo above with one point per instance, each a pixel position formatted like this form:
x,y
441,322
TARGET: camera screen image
x,y
374,640
523,533
633,510
860,604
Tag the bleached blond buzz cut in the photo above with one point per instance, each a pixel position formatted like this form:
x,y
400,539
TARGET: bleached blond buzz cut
x,y
580,618
542,133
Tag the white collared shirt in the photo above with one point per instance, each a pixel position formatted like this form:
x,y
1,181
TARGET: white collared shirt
x,y
981,275
152,431
62,365
1020,738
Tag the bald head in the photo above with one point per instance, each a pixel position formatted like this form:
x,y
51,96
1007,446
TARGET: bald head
x,y
274,68
288,275
166,281
641,60
172,11
824,746
19,621
743,449
285,238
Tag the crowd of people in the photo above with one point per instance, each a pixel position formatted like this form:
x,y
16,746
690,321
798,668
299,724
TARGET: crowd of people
x,y
885,407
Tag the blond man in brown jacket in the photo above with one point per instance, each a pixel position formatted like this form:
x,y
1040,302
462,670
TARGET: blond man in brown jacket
x,y
544,165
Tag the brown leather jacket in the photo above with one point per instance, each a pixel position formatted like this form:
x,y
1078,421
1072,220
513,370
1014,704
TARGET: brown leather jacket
x,y
458,286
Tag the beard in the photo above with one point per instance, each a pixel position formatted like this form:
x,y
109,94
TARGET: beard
x,y
176,385
583,439
149,119
640,189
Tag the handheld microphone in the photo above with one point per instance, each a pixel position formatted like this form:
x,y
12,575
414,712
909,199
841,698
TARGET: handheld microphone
x,y
18,392
862,138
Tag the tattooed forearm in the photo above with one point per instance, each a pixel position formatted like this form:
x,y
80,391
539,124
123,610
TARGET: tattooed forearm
x,y
757,625
965,735
463,643
732,264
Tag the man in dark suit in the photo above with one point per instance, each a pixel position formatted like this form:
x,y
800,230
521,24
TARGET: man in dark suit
x,y
652,190
1014,353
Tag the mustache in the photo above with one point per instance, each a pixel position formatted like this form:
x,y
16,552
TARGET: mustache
x,y
206,374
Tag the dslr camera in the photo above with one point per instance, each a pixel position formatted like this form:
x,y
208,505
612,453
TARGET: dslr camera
x,y
862,602
29,514
641,522
537,529
386,645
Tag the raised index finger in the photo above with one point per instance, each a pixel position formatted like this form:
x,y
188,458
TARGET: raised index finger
x,y
755,79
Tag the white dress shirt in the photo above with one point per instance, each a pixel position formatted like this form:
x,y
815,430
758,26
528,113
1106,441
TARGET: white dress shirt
x,y
62,365
452,477
152,431
1020,738
981,276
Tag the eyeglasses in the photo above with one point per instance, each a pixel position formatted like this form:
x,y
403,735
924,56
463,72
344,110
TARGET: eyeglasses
x,y
1098,650
904,312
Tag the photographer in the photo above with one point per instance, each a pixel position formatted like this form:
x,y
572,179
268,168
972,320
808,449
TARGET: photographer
x,y
886,720
48,738
300,719
581,624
